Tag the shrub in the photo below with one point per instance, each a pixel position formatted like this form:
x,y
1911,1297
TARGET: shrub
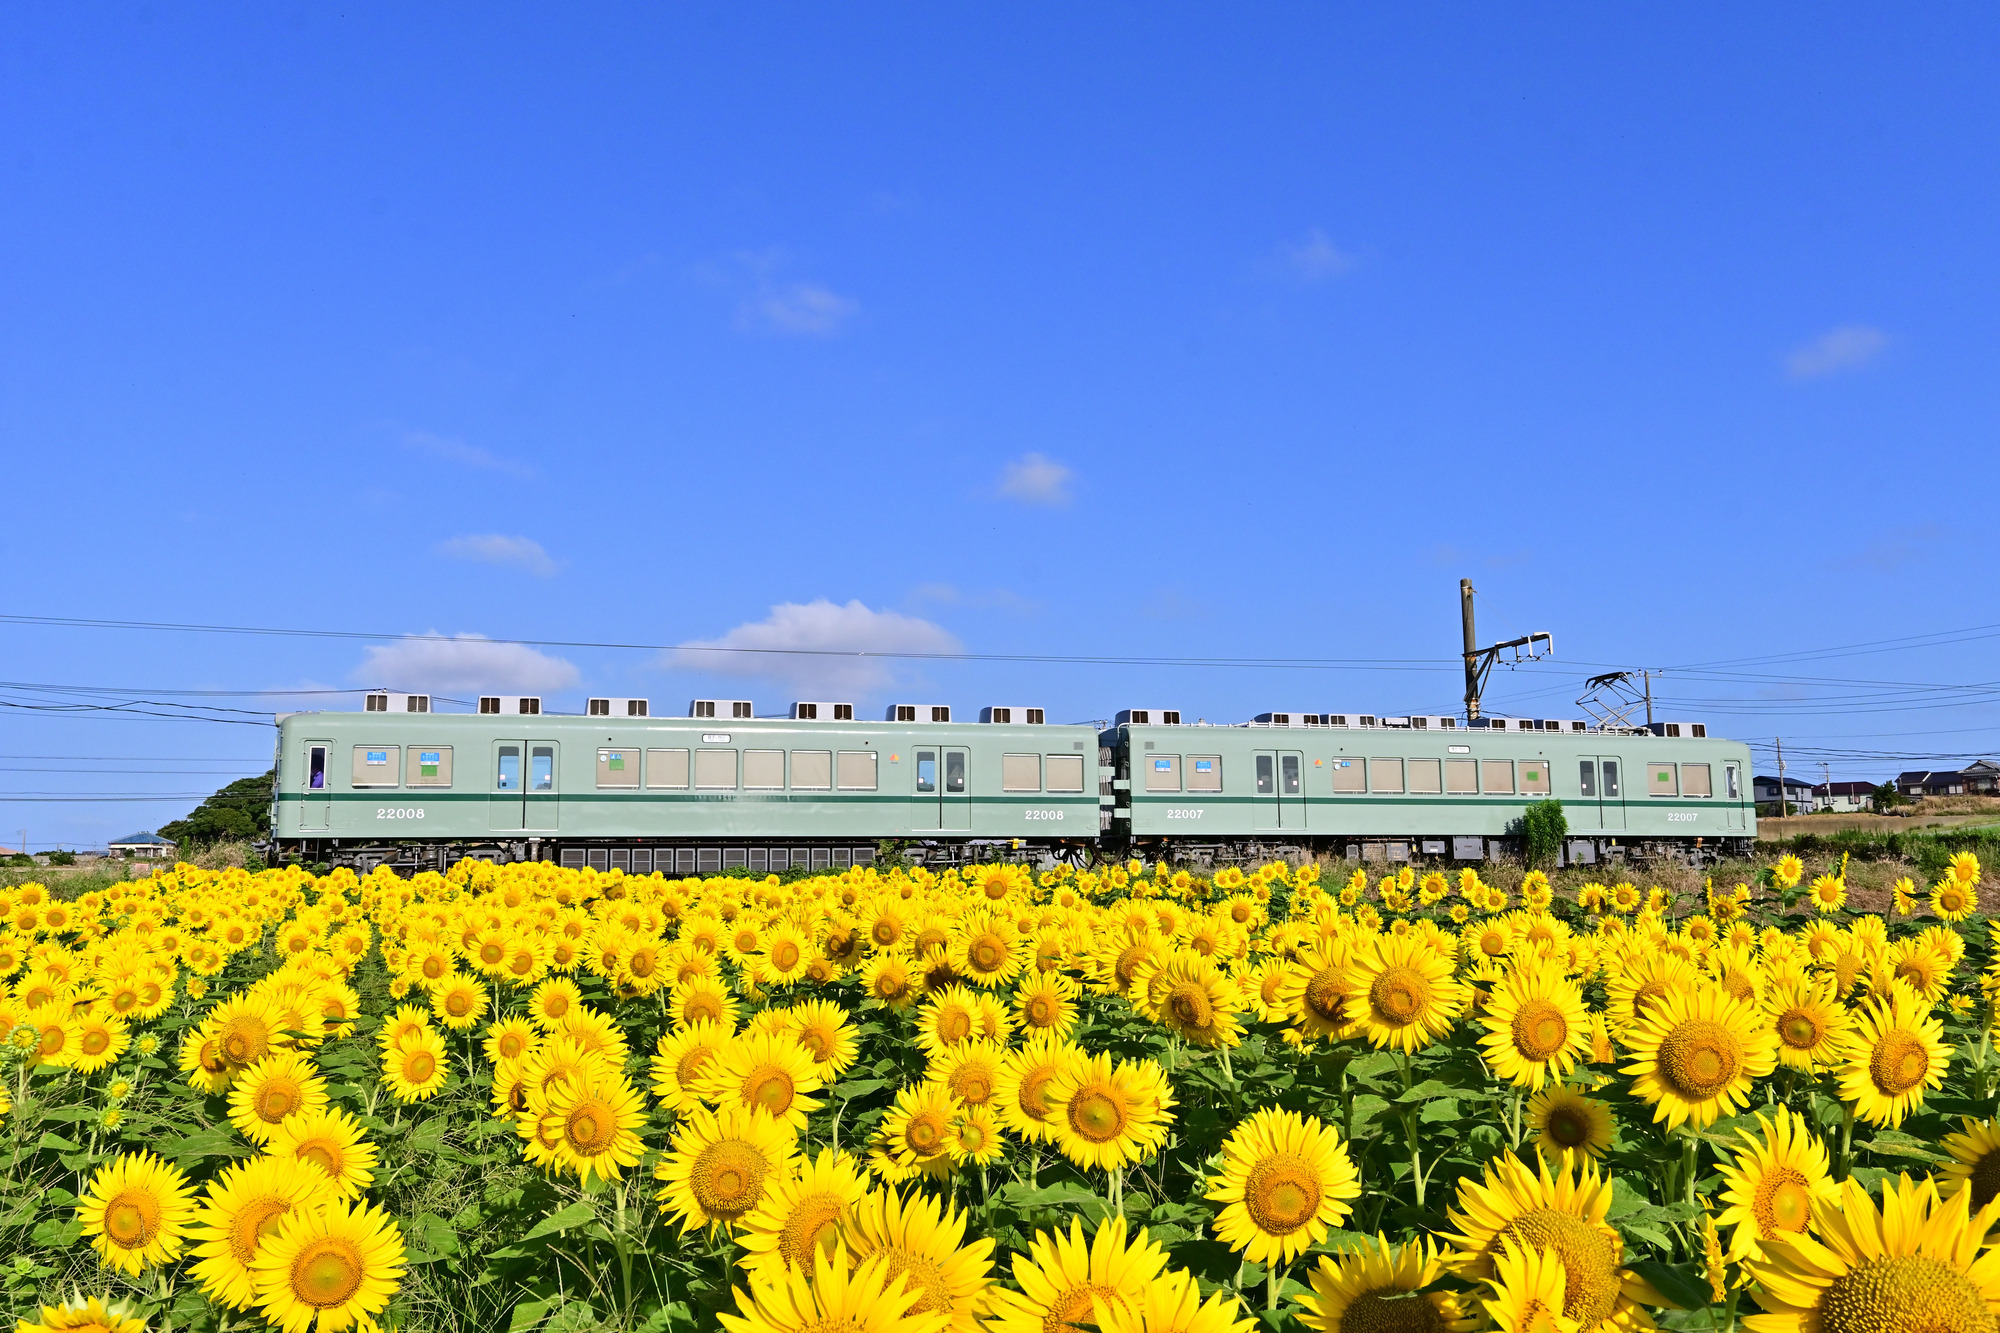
x,y
1543,827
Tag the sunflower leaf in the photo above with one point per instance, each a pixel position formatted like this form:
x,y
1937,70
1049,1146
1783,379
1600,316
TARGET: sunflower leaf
x,y
1683,1284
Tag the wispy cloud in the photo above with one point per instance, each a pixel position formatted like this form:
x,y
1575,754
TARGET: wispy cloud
x,y
494,549
466,663
463,454
1844,348
1316,258
801,645
778,304
1033,479
994,599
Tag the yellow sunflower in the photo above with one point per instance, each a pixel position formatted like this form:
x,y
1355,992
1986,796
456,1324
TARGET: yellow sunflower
x,y
591,1121
1536,1027
333,1142
1047,1002
1286,1179
769,1071
922,1240
552,1003
85,1315
1916,1263
1562,1211
136,1212
703,1000
1529,1288
1189,996
1173,1304
1105,1115
1314,993
459,1002
243,1206
801,1216
1563,1120
1975,1162
722,1164
1810,1023
417,1070
277,1088
1067,1283
100,1040
976,1137
1771,1184
947,1018
1375,1286
1644,981
1695,1055
970,1072
833,1298
329,1268
888,981
1895,1053
821,1027
681,1060
914,1137
510,1039
1026,1075
986,949
1401,992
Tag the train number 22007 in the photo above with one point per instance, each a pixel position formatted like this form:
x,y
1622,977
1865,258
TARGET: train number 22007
x,y
1183,814
399,812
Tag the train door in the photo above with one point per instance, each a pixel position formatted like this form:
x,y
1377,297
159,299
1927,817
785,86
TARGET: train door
x,y
1732,791
506,806
1610,792
943,798
541,807
316,810
1279,798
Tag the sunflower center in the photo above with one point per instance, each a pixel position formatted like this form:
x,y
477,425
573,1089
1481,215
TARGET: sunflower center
x,y
278,1099
954,1025
1071,1310
510,1045
1984,1180
591,1128
253,1222
1567,1128
459,1003
1699,1058
1034,1096
321,1155
728,1178
702,1009
245,1039
132,1219
1393,1310
1648,993
1783,1202
814,1225
327,1272
924,1134
1589,1259
1898,1064
418,1067
1399,994
972,1137
919,1272
1189,1005
785,954
770,1088
1540,1030
987,954
1798,1029
974,1087
1040,1011
1282,1194
1097,1114
1323,996
1908,1293
689,1065
884,932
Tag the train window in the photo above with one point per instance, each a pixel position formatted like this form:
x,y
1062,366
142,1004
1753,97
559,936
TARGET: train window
x,y
1695,780
542,768
715,769
927,772
954,771
764,770
316,768
1461,776
1065,773
617,768
1350,775
375,765
1586,776
1386,775
429,766
1291,780
1534,778
1267,775
812,770
1020,772
857,770
1660,780
1204,772
1731,785
1611,779
1426,777
1496,777
507,768
666,768
1163,772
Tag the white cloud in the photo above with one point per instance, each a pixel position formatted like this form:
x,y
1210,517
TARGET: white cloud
x,y
463,663
463,454
802,645
1316,258
1844,348
799,308
1036,480
493,549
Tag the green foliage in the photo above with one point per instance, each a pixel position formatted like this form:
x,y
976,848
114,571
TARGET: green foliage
x,y
59,857
241,811
1543,827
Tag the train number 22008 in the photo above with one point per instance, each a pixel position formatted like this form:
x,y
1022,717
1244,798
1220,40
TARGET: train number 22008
x,y
399,812
1044,814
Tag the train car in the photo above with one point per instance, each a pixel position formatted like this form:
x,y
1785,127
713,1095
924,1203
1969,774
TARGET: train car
x,y
714,790
1392,789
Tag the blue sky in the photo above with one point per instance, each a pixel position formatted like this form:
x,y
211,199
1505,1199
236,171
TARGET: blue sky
x,y
1133,331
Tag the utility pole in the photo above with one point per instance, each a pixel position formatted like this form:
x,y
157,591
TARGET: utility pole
x,y
1471,651
1780,740
1826,773
1649,698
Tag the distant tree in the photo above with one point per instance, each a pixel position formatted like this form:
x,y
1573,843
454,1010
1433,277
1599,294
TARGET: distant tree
x,y
240,811
1543,827
59,857
1885,798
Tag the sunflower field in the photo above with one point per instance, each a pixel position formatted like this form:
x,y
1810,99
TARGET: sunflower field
x,y
997,1100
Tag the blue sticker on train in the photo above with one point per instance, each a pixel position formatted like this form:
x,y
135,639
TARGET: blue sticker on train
x,y
1163,765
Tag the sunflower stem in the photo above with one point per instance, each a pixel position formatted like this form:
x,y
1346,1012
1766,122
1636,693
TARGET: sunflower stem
x,y
1274,1279
1846,1143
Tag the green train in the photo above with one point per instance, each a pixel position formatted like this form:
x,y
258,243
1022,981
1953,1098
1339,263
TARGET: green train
x,y
722,788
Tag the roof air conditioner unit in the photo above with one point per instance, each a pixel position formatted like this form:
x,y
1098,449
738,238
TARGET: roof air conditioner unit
x,y
1366,720
1148,717
1013,713
382,701
1691,730
918,713
1273,719
730,708
617,708
512,705
822,712
1393,722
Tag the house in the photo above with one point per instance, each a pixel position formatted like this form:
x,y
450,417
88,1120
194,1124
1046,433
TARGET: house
x,y
1931,782
142,846
1982,777
1843,797
1797,791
